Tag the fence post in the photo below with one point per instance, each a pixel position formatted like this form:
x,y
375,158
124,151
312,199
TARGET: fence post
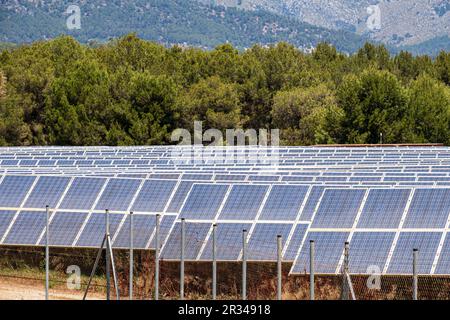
x,y
311,270
345,285
47,253
415,272
157,257
108,257
183,225
214,266
131,254
244,264
279,266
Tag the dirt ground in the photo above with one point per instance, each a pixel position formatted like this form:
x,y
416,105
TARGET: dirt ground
x,y
16,289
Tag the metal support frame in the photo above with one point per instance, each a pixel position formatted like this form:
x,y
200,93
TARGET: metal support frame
x,y
183,235
311,269
131,255
214,263
157,257
279,267
415,273
244,264
47,253
110,265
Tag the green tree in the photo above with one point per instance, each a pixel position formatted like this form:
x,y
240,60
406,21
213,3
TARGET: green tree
x,y
429,106
374,103
301,114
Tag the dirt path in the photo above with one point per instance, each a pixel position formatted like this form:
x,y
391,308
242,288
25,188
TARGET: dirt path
x,y
14,289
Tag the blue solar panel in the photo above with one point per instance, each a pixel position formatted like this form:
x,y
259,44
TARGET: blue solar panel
x,y
429,209
295,242
443,265
402,259
27,228
64,227
229,241
243,202
329,247
143,228
284,202
369,249
338,208
13,190
384,208
47,191
311,203
94,230
6,217
118,194
179,196
262,245
204,201
195,237
153,196
82,193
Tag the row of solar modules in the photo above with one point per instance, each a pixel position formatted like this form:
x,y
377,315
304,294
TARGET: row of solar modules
x,y
333,212
121,194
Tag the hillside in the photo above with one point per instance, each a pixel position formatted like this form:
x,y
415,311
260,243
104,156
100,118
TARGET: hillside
x,y
166,21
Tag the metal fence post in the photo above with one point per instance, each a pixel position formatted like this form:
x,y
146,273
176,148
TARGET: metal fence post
x,y
345,285
108,258
415,272
279,266
157,257
244,264
183,226
47,253
214,266
131,254
311,270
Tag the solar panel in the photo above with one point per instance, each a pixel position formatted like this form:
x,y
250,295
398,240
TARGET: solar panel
x,y
153,196
329,247
179,196
295,242
26,228
384,208
6,217
47,191
429,208
402,260
143,228
262,245
204,201
284,202
229,242
13,190
338,208
94,231
369,249
243,202
82,193
64,227
118,194
195,237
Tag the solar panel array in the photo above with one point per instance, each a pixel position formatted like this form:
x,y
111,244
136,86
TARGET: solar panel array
x,y
384,201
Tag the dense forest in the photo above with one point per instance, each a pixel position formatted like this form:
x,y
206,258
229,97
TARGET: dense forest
x,y
134,92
